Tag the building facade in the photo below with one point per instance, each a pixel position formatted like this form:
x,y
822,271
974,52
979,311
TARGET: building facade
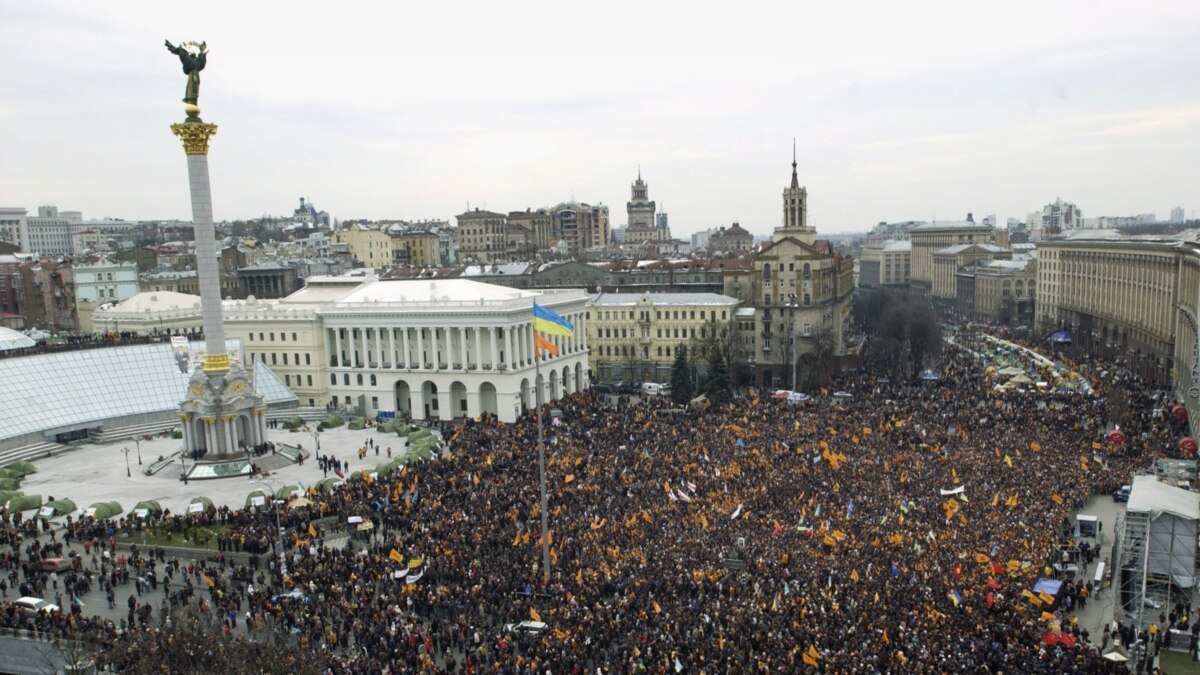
x,y
635,337
14,227
1005,291
800,291
885,264
927,238
482,236
444,349
1119,295
99,282
948,260
372,247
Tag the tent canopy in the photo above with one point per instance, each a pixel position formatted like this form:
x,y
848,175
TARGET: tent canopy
x,y
1154,497
105,510
286,491
328,483
22,467
150,505
62,506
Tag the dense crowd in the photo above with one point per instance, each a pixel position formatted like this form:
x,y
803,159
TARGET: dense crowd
x,y
897,530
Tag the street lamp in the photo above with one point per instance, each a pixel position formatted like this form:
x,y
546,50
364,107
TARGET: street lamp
x,y
128,473
278,525
791,307
317,438
138,440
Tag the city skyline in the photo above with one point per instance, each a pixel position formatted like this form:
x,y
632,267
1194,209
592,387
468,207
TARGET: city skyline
x,y
414,116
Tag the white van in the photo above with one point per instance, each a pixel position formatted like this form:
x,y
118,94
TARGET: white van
x,y
656,389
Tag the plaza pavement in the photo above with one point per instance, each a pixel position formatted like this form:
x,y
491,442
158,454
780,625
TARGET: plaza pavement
x,y
97,473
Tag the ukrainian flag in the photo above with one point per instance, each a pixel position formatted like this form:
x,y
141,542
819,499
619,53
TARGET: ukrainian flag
x,y
545,321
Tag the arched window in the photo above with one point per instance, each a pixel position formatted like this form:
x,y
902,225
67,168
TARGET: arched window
x,y
807,271
359,379
346,379
333,379
372,380
767,272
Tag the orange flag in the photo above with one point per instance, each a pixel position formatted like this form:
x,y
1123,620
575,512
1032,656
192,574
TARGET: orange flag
x,y
312,532
854,576
534,615
543,344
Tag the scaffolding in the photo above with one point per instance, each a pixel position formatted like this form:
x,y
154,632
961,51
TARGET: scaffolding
x,y
1154,556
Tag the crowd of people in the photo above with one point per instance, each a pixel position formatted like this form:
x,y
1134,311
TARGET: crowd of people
x,y
898,530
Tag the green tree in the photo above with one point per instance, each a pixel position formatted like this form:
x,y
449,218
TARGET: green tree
x,y
681,377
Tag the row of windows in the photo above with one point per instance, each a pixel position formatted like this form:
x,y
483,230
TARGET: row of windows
x,y
791,267
282,337
275,358
346,379
287,379
670,315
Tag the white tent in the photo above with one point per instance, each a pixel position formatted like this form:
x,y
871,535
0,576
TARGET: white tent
x,y
1173,514
11,339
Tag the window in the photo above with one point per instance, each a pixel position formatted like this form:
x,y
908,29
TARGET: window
x,y
294,337
296,359
346,379
251,335
283,337
807,329
347,400
308,359
285,358
272,337
273,359
260,337
287,379
373,383
333,379
374,403
359,378
310,380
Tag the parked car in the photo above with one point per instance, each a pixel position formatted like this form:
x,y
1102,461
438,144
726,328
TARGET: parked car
x,y
1122,493
656,389
534,627
30,605
603,389
627,388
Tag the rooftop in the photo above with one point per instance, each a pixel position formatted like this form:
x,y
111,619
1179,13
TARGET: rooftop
x,y
663,299
66,391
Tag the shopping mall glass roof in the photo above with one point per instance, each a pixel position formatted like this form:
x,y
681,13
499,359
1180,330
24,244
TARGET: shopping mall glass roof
x,y
66,391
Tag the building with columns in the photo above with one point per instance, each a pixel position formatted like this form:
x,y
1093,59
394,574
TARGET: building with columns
x,y
448,348
1132,297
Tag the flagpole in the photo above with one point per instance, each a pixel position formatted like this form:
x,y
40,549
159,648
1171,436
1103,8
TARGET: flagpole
x,y
537,385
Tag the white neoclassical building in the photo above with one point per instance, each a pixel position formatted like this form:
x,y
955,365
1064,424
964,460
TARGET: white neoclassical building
x,y
448,348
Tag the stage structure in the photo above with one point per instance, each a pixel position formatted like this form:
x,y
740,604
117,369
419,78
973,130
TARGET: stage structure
x,y
1156,548
222,413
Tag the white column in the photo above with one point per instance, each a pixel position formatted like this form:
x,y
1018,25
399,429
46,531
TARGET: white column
x,y
392,347
449,351
366,355
508,352
420,347
528,353
337,341
478,348
493,338
462,346
187,436
379,347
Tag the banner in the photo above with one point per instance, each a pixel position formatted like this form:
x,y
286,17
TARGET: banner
x,y
182,353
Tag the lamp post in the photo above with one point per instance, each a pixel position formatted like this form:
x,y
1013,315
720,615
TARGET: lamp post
x,y
317,438
128,473
278,525
791,308
138,440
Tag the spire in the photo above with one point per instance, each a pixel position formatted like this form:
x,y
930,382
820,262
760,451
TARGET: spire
x,y
639,171
795,178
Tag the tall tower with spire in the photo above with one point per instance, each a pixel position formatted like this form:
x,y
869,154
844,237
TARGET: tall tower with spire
x,y
795,209
640,208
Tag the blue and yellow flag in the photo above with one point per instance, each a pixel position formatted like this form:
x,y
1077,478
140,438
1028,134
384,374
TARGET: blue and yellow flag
x,y
546,321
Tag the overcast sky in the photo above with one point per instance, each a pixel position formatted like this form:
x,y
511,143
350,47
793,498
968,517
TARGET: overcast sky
x,y
413,110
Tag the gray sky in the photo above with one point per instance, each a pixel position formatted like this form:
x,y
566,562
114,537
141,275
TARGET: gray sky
x,y
412,110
